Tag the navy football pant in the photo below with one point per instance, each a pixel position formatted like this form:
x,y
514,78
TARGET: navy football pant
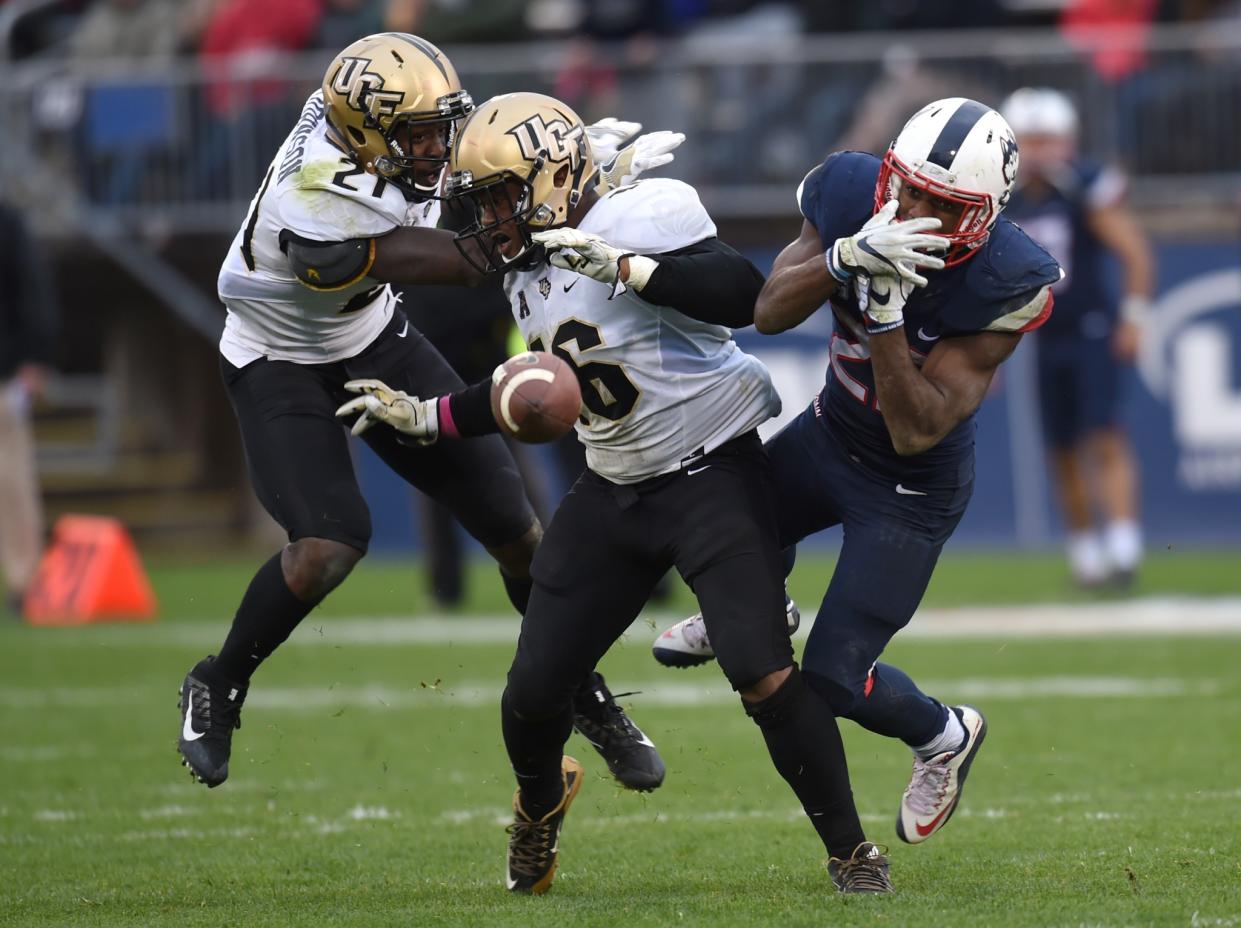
x,y
1079,387
891,544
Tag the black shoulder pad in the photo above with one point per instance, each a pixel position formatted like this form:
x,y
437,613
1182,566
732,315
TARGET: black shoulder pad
x,y
328,265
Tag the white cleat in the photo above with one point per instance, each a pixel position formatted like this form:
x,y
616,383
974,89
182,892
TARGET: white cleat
x,y
936,785
686,644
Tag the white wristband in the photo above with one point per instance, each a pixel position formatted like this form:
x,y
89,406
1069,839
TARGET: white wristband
x,y
640,270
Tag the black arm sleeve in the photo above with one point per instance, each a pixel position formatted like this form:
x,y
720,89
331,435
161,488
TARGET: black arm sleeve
x,y
471,411
708,281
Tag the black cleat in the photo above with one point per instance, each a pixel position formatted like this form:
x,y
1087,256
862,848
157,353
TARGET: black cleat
x,y
866,871
534,847
210,710
630,755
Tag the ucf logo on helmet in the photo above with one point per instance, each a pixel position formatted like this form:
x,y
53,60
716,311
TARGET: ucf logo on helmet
x,y
364,89
555,138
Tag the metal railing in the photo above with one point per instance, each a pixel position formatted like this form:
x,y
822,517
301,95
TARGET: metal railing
x,y
184,147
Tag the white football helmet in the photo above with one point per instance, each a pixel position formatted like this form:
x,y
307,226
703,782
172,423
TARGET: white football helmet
x,y
956,150
1040,111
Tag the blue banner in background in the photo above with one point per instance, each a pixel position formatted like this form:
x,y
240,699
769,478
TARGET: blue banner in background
x,y
1183,411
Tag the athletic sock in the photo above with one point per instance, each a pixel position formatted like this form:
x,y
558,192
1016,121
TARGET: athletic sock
x,y
805,745
266,617
535,748
1087,559
952,738
1123,541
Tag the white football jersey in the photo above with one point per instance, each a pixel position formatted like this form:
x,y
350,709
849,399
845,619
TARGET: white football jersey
x,y
316,191
658,387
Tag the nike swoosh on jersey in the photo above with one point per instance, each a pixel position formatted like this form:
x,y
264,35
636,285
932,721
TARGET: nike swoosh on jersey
x,y
905,491
401,334
568,287
926,338
187,730
691,472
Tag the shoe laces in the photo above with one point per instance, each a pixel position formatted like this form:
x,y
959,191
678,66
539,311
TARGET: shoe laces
x,y
928,785
530,846
865,871
604,711
694,631
223,714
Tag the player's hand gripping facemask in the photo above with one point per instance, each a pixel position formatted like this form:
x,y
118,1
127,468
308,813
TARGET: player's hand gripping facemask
x,y
589,255
884,247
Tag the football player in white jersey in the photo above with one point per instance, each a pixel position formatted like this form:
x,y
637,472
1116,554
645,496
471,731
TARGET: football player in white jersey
x,y
349,205
634,290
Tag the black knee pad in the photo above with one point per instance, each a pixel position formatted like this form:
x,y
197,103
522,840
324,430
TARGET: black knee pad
x,y
777,708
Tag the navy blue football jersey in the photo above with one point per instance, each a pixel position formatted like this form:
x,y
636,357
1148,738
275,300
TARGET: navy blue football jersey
x,y
1056,216
1001,288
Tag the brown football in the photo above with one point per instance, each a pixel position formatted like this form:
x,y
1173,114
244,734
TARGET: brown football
x,y
535,397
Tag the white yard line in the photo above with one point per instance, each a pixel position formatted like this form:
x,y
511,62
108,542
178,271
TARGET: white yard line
x,y
1150,616
666,691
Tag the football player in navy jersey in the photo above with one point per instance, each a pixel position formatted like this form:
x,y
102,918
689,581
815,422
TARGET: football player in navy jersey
x,y
1075,207
886,450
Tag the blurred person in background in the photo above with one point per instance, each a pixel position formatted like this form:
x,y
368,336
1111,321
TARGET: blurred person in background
x,y
121,34
345,21
1075,208
247,96
150,30
28,330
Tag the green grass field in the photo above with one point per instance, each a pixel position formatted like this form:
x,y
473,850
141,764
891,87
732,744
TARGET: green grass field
x,y
370,787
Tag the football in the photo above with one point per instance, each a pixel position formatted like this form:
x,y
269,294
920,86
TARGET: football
x,y
535,397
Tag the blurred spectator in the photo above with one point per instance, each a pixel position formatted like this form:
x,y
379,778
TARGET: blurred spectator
x,y
905,83
1112,32
1076,210
247,100
752,128
609,36
28,328
152,30
460,21
128,121
346,21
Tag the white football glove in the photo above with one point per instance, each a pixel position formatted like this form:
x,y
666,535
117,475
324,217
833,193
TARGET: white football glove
x,y
380,403
882,299
883,247
607,135
650,151
589,255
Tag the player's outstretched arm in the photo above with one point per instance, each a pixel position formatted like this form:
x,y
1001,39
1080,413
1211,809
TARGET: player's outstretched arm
x,y
1118,229
799,284
411,255
921,406
708,280
464,414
